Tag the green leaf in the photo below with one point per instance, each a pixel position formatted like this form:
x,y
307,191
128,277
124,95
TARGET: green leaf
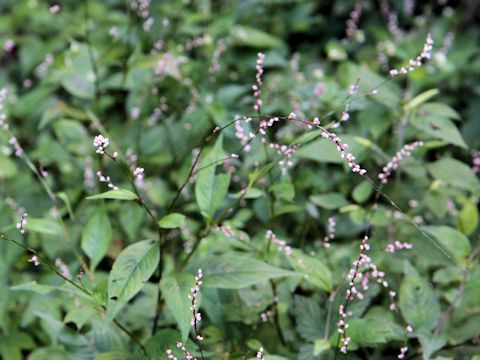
x,y
283,190
420,99
451,240
172,221
456,174
362,192
329,201
8,168
78,77
120,194
439,109
439,127
417,301
97,236
175,290
35,287
236,271
247,36
309,318
468,218
314,271
130,271
211,189
43,226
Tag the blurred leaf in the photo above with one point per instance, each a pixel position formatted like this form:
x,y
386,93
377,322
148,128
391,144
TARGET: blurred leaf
x,y
43,226
329,201
248,36
451,240
96,236
456,174
119,194
172,221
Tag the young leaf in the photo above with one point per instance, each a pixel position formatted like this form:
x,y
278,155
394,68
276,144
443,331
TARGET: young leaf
x,y
120,194
172,221
175,289
130,271
96,237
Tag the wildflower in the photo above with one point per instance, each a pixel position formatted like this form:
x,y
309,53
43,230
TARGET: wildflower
x,y
107,180
9,45
343,149
397,245
258,82
352,22
413,63
35,260
22,223
409,329
113,32
331,227
170,355
281,244
64,270
260,354
138,173
403,351
55,9
405,151
101,143
182,347
196,316
476,161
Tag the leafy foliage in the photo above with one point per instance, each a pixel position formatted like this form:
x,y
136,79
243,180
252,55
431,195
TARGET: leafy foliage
x,y
126,120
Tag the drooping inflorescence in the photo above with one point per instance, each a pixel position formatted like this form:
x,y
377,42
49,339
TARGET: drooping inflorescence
x,y
392,165
344,153
281,244
418,61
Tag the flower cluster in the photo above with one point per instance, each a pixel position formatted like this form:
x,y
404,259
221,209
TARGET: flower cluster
x,y
352,22
286,152
107,180
397,245
476,161
215,63
281,244
35,260
55,9
138,173
413,63
64,270
101,143
403,351
22,223
260,354
405,151
342,328
331,228
196,316
343,149
241,135
259,82
182,347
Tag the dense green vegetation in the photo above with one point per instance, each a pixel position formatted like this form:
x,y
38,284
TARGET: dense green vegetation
x,y
268,179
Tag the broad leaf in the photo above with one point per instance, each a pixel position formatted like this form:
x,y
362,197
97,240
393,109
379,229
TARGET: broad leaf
x,y
314,271
172,221
417,301
236,271
96,236
130,271
175,290
456,174
451,240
